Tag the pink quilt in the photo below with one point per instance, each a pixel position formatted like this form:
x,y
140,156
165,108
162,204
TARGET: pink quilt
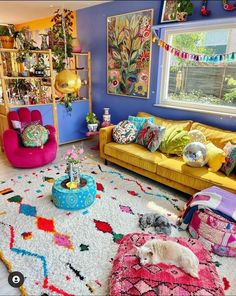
x,y
130,278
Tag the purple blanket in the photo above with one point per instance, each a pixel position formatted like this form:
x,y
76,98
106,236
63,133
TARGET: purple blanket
x,y
213,198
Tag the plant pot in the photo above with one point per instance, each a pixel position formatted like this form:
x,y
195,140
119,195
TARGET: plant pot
x,y
92,127
76,48
7,42
181,16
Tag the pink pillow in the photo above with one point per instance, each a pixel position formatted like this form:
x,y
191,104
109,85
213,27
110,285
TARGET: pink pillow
x,y
130,278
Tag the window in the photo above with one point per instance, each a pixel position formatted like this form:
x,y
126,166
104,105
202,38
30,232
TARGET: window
x,y
193,85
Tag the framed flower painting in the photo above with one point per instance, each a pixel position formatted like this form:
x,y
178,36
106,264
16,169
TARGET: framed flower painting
x,y
129,50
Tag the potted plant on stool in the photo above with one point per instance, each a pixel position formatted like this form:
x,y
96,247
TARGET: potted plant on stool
x,y
92,122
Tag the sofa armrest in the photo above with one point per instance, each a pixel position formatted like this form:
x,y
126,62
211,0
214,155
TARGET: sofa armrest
x,y
105,137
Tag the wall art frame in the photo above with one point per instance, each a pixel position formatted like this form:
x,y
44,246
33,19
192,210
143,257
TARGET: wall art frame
x,y
169,11
129,53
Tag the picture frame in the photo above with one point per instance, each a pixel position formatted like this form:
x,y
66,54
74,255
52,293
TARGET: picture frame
x,y
169,11
129,52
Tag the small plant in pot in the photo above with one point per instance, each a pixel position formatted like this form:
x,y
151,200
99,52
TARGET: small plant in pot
x,y
6,39
184,8
92,122
39,69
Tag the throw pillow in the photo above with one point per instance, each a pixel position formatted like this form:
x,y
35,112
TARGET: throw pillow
x,y
16,124
196,136
230,159
216,157
150,136
174,141
125,132
139,121
34,135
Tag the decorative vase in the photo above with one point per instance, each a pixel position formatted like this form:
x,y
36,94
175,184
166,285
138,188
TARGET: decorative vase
x,y
76,48
73,171
92,127
7,42
106,116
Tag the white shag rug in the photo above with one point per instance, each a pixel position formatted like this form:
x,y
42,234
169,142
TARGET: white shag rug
x,y
71,253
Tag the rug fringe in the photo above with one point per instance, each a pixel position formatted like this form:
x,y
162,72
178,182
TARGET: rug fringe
x,y
10,269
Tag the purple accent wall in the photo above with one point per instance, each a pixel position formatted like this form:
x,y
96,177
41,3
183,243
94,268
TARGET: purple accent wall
x,y
91,28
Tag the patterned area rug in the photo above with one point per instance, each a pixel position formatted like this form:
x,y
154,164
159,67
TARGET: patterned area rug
x,y
71,253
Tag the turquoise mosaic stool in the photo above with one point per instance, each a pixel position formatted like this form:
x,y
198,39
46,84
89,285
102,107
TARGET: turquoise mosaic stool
x,y
74,199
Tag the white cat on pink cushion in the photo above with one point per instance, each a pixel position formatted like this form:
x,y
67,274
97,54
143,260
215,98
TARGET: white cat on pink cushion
x,y
156,251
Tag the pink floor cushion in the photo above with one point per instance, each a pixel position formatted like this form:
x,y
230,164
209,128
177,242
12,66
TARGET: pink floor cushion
x,y
218,233
130,278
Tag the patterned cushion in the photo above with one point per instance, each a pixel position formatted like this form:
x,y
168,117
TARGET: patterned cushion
x,y
139,121
124,132
196,136
34,135
216,232
130,278
230,160
150,136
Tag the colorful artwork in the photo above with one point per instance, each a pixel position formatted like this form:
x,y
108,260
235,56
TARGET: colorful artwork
x,y
169,11
129,50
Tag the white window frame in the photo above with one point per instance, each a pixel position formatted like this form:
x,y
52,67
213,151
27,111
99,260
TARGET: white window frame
x,y
165,67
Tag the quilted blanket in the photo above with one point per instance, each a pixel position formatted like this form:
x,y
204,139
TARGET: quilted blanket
x,y
216,199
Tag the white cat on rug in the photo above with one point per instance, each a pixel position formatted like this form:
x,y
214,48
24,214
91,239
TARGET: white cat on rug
x,y
156,251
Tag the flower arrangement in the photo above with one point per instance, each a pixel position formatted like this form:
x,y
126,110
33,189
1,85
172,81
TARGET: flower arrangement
x,y
73,155
73,159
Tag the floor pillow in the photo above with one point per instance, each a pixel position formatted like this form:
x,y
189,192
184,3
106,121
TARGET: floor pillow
x,y
215,231
130,278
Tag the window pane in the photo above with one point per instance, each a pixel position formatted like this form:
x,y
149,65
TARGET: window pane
x,y
194,82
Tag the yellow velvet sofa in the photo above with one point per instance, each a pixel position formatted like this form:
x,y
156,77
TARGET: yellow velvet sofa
x,y
169,170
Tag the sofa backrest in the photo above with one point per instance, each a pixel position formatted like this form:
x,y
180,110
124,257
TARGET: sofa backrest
x,y
184,124
217,136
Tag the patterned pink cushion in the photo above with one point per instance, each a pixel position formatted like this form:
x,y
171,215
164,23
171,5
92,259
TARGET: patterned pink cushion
x,y
214,231
130,278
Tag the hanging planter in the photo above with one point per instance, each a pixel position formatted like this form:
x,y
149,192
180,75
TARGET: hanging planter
x,y
67,83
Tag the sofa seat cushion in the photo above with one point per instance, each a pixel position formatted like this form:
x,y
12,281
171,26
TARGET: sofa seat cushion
x,y
175,169
184,124
136,155
217,136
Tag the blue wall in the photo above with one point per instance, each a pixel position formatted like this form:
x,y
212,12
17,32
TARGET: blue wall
x,y
91,28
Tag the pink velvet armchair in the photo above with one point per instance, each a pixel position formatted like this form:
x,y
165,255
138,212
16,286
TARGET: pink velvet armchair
x,y
27,157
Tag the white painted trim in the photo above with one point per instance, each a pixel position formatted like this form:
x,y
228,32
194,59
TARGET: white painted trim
x,y
163,101
186,108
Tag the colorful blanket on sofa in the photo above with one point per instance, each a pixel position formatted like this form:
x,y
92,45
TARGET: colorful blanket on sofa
x,y
216,199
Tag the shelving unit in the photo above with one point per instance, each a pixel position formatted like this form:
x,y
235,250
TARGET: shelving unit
x,y
13,85
70,126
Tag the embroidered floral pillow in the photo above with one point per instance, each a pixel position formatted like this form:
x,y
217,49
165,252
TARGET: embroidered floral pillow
x,y
150,136
230,159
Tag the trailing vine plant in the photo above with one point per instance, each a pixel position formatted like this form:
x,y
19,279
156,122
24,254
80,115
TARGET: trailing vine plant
x,y
61,19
